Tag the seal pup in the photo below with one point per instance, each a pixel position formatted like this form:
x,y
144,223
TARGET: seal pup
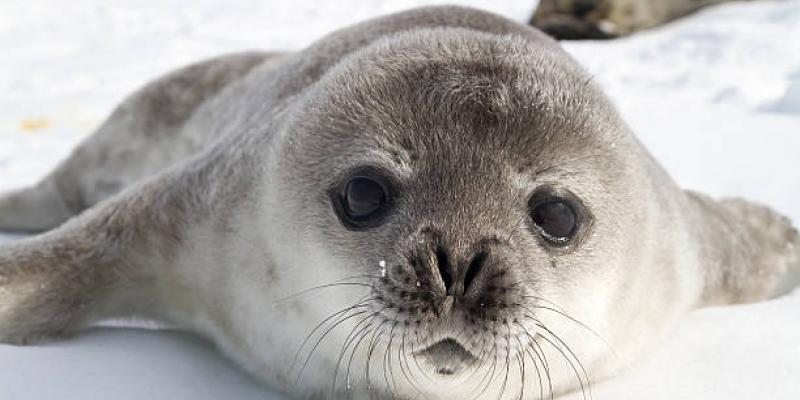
x,y
434,204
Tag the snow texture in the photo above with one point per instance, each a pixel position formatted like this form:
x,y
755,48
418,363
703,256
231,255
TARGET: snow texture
x,y
715,97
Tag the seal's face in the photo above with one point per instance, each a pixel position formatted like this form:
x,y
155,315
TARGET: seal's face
x,y
469,208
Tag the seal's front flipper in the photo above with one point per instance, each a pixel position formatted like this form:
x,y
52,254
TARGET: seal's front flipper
x,y
750,252
96,266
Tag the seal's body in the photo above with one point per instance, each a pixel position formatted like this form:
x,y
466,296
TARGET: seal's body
x,y
436,203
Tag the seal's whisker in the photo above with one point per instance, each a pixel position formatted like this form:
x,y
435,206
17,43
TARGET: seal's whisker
x,y
569,362
360,304
559,310
387,361
537,349
403,357
481,357
538,372
340,283
488,369
508,366
534,345
584,382
355,332
521,366
583,377
492,370
370,350
321,338
416,361
368,331
577,360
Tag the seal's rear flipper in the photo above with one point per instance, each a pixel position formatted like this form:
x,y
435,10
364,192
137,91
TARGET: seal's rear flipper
x,y
750,252
96,266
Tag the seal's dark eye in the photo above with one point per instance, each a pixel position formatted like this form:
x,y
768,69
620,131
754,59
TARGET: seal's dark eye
x,y
363,196
362,201
555,219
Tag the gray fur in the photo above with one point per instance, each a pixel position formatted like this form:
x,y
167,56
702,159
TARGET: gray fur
x,y
229,220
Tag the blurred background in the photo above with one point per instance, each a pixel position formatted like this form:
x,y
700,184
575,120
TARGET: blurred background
x,y
715,96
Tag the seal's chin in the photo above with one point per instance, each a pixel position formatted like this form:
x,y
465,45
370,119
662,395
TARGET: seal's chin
x,y
447,357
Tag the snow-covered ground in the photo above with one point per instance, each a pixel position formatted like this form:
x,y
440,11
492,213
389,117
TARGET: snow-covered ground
x,y
716,98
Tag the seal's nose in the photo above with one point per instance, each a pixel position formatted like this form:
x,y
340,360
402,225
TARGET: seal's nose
x,y
458,279
457,274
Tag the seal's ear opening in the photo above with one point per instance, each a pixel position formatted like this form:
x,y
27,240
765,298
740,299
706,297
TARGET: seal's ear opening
x,y
750,252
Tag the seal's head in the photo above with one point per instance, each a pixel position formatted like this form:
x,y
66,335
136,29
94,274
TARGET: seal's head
x,y
494,223
482,189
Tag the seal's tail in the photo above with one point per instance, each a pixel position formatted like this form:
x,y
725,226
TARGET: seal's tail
x,y
34,209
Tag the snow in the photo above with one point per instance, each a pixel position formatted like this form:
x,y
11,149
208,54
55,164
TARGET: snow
x,y
715,97
742,352
790,102
123,364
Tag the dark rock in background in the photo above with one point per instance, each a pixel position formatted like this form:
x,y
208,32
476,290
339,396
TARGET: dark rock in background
x,y
606,19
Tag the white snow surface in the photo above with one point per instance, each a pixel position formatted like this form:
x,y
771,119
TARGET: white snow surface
x,y
715,97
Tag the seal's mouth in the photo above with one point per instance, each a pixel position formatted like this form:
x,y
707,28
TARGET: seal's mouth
x,y
447,357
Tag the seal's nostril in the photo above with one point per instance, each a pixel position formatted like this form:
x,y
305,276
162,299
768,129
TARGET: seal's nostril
x,y
474,268
443,263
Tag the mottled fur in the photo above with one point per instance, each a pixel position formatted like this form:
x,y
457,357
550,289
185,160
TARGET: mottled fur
x,y
225,218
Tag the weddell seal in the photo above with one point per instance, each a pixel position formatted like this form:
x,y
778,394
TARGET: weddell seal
x,y
434,204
